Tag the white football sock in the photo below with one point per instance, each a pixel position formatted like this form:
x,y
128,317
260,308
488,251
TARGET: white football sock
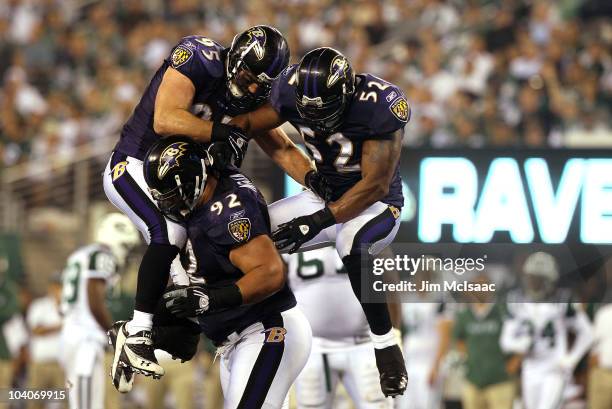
x,y
385,340
142,321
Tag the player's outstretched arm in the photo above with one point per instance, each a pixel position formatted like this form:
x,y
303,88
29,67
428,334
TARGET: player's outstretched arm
x,y
263,125
255,122
96,293
277,145
172,103
378,161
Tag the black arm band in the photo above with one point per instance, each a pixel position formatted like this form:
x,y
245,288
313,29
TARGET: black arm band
x,y
220,132
324,218
225,297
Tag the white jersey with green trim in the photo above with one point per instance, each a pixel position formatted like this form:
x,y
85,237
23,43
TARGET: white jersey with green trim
x,y
93,261
323,292
546,326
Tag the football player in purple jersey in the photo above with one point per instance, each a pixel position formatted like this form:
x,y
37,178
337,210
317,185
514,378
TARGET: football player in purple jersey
x,y
242,303
199,87
352,126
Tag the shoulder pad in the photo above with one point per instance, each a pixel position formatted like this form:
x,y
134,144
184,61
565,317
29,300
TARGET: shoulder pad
x,y
236,215
282,97
197,56
382,103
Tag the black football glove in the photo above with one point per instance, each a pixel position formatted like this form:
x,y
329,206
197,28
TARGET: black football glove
x,y
222,156
197,299
180,341
293,234
318,184
177,336
187,301
239,144
233,147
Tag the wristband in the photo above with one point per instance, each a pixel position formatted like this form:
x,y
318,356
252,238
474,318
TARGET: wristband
x,y
225,297
324,218
220,132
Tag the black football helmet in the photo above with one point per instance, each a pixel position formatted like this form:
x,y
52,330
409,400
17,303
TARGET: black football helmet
x,y
257,55
176,169
324,88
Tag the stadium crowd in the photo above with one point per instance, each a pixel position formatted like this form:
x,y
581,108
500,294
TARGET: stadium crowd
x,y
478,73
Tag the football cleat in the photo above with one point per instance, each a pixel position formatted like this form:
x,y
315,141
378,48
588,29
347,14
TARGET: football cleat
x,y
392,370
138,354
133,354
123,377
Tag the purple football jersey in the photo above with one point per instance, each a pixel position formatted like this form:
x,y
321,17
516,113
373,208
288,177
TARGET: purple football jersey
x,y
377,110
236,213
202,61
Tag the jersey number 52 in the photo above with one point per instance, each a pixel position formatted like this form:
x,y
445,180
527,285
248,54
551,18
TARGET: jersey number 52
x,y
344,155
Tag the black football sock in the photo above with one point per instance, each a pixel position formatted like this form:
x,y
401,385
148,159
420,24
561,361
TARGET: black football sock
x,y
377,314
153,275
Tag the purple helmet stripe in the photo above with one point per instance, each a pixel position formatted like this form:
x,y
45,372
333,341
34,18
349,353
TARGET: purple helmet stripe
x,y
315,89
272,67
280,61
307,78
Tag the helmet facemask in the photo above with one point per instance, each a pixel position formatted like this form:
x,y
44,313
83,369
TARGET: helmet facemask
x,y
538,287
320,116
257,56
324,88
240,78
178,202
